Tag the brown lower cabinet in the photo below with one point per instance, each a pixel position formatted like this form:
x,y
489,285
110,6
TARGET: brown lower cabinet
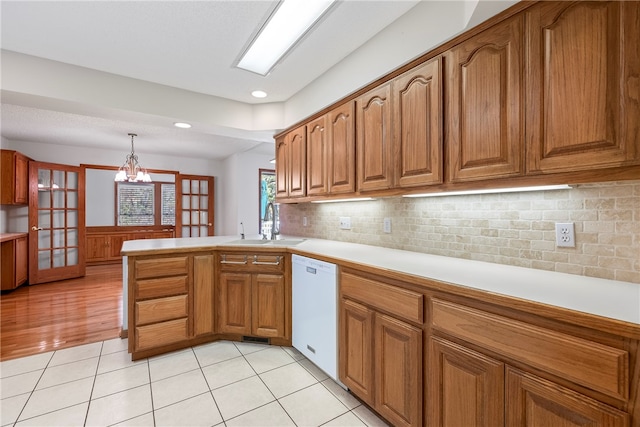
x,y
380,354
104,243
420,355
14,253
253,297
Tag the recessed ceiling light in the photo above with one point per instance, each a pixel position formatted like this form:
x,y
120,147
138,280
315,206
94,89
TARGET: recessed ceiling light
x,y
286,26
182,125
259,94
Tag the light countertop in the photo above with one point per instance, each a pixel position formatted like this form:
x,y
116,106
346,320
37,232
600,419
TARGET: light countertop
x,y
607,298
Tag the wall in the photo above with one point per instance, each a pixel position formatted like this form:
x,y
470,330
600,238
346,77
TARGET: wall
x,y
236,176
511,228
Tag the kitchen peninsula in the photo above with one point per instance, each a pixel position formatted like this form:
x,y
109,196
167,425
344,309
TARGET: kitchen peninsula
x,y
412,326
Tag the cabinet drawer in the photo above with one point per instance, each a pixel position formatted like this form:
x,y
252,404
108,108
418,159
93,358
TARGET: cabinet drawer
x,y
158,334
264,263
154,288
591,364
161,309
402,303
161,267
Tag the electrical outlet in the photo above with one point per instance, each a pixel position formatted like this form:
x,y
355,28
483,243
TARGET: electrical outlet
x,y
304,221
565,235
386,225
345,223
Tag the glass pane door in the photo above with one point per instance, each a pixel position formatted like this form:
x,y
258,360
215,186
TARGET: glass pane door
x,y
195,206
56,222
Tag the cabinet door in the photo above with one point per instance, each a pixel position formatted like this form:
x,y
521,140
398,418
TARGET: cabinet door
x,y
22,257
485,136
374,139
535,402
268,301
234,314
97,247
417,119
282,168
465,388
317,157
297,146
341,166
115,245
22,179
398,380
356,349
583,109
203,312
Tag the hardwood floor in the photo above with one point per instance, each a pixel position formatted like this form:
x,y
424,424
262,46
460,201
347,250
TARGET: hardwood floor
x,y
50,316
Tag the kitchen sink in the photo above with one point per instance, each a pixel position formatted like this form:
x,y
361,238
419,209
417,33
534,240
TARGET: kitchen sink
x,y
286,242
280,242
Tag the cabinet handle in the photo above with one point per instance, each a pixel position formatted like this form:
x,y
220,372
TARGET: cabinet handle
x,y
224,261
256,262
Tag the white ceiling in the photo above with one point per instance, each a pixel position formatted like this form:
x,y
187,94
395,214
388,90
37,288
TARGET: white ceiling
x,y
189,45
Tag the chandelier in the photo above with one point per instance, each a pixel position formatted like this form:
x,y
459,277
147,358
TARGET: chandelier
x,y
131,171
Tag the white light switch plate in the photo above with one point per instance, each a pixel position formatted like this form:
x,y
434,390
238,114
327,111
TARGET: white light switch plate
x,y
345,223
386,225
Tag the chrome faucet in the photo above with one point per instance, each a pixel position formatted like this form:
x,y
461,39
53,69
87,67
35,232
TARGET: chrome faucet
x,y
272,217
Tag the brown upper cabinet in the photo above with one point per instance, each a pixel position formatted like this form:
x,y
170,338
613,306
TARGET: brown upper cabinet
x,y
341,168
485,132
291,164
544,93
317,157
15,178
417,120
582,83
374,139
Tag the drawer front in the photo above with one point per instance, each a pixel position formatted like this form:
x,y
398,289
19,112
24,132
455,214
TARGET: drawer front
x,y
158,334
402,303
155,288
161,309
591,364
161,267
252,262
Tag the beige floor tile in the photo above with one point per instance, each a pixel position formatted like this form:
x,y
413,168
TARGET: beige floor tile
x,y
111,362
19,384
71,416
242,396
11,407
171,365
115,345
227,372
74,354
269,415
345,420
219,351
57,397
293,352
313,369
269,358
120,380
197,411
313,406
23,365
60,374
250,347
120,407
180,387
343,395
287,379
368,417
145,420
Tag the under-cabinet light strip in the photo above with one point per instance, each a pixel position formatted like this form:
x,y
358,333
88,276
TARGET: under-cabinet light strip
x,y
493,190
359,199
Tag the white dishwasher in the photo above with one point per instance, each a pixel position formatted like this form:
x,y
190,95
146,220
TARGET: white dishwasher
x,y
315,312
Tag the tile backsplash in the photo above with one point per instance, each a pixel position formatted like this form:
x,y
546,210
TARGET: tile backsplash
x,y
507,228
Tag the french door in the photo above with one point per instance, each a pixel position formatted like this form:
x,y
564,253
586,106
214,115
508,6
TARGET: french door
x,y
56,222
194,213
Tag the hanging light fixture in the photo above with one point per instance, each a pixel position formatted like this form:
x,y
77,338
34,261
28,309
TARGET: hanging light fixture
x,y
131,171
